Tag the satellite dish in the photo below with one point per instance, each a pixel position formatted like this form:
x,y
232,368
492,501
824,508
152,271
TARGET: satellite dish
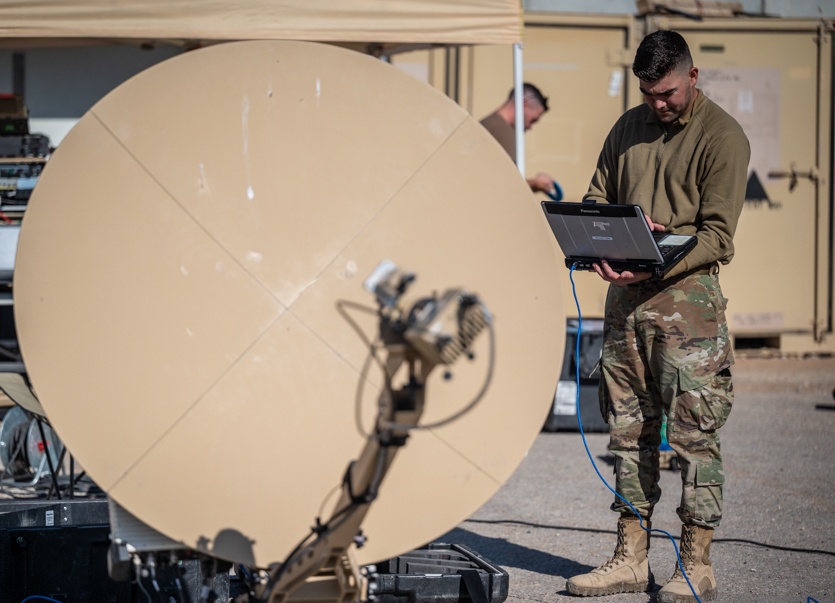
x,y
190,305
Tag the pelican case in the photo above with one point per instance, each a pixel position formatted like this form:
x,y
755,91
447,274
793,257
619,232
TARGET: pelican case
x,y
439,573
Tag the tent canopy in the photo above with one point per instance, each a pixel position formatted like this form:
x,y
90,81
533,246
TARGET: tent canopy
x,y
189,21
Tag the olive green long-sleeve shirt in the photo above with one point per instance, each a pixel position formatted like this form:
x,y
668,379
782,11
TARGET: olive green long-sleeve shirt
x,y
503,132
690,176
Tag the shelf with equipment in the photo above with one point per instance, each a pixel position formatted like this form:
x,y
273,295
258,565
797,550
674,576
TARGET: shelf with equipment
x,y
23,156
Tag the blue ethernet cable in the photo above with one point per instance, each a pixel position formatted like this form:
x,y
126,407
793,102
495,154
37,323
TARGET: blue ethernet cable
x,y
586,446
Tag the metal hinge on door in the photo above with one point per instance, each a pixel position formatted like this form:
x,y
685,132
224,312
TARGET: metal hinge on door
x,y
793,175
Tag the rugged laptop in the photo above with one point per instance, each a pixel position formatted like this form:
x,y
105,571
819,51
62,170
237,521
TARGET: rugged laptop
x,y
590,232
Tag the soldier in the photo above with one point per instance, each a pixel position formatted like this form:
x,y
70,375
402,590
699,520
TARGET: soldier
x,y
666,349
501,123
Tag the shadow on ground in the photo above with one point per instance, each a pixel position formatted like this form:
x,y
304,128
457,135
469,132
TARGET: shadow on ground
x,y
501,552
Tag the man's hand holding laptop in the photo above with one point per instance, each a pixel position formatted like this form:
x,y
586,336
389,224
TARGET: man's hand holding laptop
x,y
626,277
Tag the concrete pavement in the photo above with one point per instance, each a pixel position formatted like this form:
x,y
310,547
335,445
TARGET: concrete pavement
x,y
777,540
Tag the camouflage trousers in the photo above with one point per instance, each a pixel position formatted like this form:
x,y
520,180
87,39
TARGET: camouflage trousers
x,y
666,349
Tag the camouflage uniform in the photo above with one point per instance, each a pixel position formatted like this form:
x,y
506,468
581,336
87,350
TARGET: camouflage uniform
x,y
666,348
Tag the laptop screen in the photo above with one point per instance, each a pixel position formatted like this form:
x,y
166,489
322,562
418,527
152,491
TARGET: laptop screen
x,y
613,232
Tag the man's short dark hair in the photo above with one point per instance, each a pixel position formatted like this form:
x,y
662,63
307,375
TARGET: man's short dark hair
x,y
530,91
659,54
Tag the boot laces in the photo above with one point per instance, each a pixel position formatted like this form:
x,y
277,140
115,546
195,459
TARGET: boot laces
x,y
686,554
620,549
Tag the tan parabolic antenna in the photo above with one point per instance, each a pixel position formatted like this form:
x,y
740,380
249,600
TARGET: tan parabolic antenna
x,y
188,284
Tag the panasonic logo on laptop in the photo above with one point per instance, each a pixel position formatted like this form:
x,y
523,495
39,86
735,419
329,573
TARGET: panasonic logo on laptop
x,y
589,211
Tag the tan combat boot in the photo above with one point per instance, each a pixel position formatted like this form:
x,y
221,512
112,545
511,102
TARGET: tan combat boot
x,y
626,572
695,556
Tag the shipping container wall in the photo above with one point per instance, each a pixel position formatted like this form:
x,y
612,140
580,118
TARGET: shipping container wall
x,y
774,75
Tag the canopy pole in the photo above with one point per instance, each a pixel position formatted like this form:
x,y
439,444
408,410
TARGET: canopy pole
x,y
519,104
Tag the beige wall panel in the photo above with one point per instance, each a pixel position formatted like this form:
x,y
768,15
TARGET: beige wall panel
x,y
417,63
424,65
202,242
